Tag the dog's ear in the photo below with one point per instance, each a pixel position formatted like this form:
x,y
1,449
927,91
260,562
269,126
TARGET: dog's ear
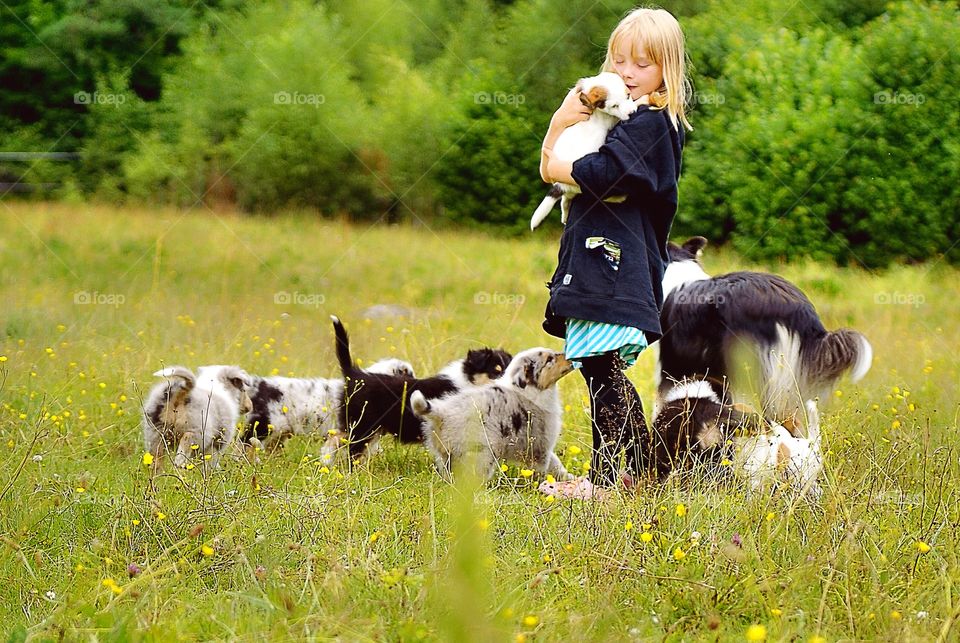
x,y
783,457
521,375
709,435
695,246
596,98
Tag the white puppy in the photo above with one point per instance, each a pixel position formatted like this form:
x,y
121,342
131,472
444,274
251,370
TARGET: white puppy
x,y
610,100
194,414
777,456
516,417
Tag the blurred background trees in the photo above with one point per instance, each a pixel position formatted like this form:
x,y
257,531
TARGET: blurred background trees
x,y
823,128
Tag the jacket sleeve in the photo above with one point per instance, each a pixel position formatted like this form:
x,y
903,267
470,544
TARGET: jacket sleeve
x,y
636,159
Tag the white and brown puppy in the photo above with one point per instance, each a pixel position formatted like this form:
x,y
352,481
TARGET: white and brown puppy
x,y
610,100
191,414
776,457
516,417
288,406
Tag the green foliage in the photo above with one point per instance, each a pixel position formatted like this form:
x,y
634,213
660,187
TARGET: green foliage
x,y
820,125
814,143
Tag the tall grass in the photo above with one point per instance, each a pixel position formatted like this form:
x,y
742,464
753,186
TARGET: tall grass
x,y
291,548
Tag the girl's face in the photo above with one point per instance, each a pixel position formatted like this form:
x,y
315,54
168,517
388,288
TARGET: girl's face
x,y
641,75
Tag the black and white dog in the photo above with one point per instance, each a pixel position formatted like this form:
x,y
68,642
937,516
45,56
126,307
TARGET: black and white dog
x,y
288,406
377,403
712,325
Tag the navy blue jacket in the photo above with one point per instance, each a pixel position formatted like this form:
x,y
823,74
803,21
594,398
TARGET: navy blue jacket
x,y
613,255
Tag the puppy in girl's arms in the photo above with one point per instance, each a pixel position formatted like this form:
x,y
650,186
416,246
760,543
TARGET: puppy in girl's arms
x,y
607,96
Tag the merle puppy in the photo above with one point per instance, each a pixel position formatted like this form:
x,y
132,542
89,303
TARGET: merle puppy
x,y
376,403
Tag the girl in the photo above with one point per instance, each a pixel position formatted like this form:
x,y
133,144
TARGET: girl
x,y
606,294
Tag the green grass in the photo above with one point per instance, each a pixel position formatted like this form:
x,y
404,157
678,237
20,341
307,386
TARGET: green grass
x,y
389,551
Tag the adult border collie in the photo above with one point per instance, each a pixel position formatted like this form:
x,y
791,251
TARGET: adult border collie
x,y
756,329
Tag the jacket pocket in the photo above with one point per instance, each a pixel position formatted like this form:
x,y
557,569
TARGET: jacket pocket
x,y
594,265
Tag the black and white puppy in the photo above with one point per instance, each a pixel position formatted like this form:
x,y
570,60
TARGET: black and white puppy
x,y
376,403
694,422
192,415
608,97
288,406
711,325
517,417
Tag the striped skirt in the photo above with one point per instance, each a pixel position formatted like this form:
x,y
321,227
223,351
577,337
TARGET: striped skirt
x,y
588,338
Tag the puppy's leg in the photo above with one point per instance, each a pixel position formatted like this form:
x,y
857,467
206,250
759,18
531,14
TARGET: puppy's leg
x,y
555,467
184,451
486,465
156,448
372,449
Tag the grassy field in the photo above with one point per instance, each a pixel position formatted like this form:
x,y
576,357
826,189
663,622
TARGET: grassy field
x,y
96,299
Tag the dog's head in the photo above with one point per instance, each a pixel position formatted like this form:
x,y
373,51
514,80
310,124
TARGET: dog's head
x,y
233,380
392,366
691,250
485,364
799,462
539,368
608,93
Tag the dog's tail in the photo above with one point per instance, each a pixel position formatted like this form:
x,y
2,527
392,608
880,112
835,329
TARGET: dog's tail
x,y
343,346
836,353
181,373
543,210
813,423
419,404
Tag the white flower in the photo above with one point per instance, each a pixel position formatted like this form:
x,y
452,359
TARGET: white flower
x,y
51,595
38,458
922,615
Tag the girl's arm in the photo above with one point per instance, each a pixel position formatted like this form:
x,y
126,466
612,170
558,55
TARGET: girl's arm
x,y
557,171
570,111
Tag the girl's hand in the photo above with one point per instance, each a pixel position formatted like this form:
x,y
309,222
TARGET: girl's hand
x,y
571,111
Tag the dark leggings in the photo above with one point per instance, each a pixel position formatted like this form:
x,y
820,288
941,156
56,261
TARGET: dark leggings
x,y
616,414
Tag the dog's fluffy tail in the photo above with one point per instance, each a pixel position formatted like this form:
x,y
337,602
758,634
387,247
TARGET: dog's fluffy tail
x,y
837,352
343,346
543,210
185,375
419,404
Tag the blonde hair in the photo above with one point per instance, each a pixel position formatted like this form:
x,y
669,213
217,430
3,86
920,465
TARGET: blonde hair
x,y
656,34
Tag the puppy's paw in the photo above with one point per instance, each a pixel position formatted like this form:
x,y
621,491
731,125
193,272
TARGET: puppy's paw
x,y
181,460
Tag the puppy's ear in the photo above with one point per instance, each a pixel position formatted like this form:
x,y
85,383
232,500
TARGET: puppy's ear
x,y
520,375
709,435
695,245
596,98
